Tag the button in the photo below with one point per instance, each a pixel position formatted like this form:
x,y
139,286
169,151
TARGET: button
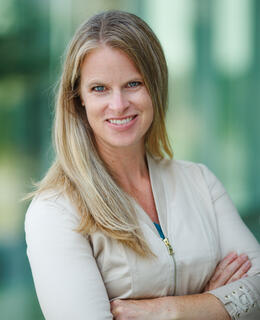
x,y
233,292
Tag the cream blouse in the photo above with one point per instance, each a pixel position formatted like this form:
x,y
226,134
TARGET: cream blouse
x,y
75,277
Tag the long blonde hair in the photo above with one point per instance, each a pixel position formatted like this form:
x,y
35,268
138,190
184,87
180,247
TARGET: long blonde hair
x,y
78,170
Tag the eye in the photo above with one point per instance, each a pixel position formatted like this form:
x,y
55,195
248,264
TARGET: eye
x,y
98,89
134,84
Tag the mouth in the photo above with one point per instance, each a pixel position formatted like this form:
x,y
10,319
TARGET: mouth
x,y
122,121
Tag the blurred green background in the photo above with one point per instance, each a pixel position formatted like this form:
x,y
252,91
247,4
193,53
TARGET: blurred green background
x,y
213,52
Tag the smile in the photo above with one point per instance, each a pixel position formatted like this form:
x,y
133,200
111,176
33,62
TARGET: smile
x,y
121,121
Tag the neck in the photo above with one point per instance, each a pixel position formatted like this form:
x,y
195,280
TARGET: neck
x,y
127,165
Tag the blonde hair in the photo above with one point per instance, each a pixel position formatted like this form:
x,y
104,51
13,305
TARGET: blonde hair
x,y
78,169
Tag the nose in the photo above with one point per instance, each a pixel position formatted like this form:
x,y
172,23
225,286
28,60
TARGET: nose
x,y
118,101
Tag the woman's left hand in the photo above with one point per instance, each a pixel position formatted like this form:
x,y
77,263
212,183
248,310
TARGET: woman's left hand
x,y
148,309
231,268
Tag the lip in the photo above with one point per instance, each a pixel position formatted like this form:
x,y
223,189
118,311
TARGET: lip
x,y
124,126
122,118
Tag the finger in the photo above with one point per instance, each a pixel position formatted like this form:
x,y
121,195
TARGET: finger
x,y
115,307
223,264
231,269
225,271
241,272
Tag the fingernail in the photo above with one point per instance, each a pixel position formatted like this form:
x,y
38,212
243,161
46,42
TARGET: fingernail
x,y
233,254
244,256
247,263
244,276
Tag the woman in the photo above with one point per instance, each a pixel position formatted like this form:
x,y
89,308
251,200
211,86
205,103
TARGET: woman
x,y
116,229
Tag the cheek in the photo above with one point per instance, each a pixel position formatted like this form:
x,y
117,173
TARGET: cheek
x,y
91,116
92,108
95,116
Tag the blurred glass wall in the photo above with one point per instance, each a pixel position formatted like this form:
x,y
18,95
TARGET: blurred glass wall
x,y
213,52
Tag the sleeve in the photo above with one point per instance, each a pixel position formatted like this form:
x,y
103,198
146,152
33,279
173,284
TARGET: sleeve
x,y
66,277
241,298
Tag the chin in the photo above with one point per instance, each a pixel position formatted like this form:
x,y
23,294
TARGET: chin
x,y
125,143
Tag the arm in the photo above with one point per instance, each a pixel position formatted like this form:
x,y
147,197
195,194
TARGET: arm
x,y
221,301
67,280
186,307
190,307
240,298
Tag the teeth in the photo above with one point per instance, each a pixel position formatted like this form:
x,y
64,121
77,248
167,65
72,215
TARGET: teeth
x,y
123,121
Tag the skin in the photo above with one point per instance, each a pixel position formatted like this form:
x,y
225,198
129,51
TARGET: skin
x,y
124,97
118,97
191,307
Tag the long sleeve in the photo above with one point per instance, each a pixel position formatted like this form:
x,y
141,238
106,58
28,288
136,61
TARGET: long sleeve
x,y
241,298
66,276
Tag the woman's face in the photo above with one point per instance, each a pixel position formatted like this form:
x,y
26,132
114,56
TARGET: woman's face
x,y
118,106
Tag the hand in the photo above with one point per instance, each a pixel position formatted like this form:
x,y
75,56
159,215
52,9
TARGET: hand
x,y
231,268
130,309
147,309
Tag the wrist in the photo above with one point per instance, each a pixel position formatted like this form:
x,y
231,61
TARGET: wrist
x,y
168,309
197,306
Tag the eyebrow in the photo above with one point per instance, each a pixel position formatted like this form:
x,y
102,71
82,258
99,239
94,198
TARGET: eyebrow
x,y
96,81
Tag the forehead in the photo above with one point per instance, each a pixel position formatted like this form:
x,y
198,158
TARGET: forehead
x,y
108,62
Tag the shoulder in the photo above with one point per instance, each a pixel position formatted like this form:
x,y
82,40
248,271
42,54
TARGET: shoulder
x,y
194,170
189,175
183,168
51,198
50,210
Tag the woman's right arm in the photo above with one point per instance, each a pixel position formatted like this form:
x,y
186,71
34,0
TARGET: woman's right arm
x,y
66,277
199,306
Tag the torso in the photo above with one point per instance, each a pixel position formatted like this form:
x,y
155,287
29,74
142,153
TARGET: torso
x,y
144,197
182,204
